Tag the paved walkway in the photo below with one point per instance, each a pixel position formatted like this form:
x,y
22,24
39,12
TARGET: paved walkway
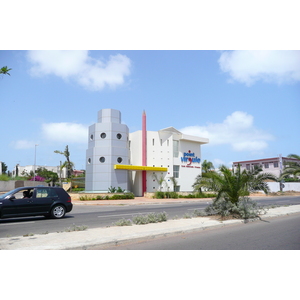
x,y
116,235
137,201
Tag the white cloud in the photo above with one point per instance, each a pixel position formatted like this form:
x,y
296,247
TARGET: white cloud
x,y
237,130
76,65
65,132
269,66
23,144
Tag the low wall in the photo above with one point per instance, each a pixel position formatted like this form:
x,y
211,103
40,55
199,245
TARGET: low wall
x,y
287,186
6,186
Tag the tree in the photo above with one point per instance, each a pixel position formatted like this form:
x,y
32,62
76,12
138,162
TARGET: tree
x,y
175,182
50,177
69,165
160,180
207,166
4,168
5,70
232,185
233,188
291,168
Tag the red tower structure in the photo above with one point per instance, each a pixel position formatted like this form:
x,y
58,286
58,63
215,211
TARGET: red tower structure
x,y
144,151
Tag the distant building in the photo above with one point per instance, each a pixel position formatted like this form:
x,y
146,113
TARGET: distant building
x,y
23,171
273,165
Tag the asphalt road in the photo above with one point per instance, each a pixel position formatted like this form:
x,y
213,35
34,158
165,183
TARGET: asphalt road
x,y
279,233
95,216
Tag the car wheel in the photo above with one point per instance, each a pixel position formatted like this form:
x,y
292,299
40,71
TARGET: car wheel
x,y
58,211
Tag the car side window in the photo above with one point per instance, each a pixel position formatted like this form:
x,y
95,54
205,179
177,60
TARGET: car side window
x,y
45,193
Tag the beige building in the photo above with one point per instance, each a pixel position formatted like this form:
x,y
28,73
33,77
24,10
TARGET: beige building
x,y
273,165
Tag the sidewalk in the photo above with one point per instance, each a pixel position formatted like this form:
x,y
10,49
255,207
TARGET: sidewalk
x,y
137,201
80,240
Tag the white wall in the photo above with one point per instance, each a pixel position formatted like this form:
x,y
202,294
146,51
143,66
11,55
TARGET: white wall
x,y
288,186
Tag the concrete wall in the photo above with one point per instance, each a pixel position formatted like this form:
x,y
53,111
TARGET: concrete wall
x,y
288,186
6,186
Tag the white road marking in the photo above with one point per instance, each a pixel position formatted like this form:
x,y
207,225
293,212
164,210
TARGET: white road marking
x,y
16,223
125,215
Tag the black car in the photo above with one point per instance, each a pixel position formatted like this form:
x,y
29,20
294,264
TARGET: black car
x,y
52,202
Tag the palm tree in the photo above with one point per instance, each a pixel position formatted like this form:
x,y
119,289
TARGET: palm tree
x,y
67,164
175,182
207,166
291,168
5,70
232,185
160,180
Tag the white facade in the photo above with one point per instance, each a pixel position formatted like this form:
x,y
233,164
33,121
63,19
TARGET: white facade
x,y
107,146
169,148
273,165
27,169
115,158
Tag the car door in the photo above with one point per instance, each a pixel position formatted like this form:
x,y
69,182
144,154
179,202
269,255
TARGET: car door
x,y
8,208
16,205
43,198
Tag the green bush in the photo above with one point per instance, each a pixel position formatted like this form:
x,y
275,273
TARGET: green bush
x,y
123,222
113,197
199,213
150,218
245,208
4,177
159,195
198,195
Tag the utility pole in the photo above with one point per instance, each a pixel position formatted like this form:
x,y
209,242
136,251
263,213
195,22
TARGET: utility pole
x,y
34,162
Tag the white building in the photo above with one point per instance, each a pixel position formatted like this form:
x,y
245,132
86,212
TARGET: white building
x,y
22,171
138,161
274,165
168,148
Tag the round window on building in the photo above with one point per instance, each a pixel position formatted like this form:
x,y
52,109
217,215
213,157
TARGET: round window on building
x,y
89,161
92,137
119,136
102,159
103,135
119,160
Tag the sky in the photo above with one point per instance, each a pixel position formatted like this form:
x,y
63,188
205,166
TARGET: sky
x,y
245,102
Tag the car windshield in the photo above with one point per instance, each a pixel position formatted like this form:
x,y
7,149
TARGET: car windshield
x,y
3,196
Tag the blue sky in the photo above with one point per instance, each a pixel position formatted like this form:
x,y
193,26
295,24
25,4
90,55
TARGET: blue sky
x,y
245,102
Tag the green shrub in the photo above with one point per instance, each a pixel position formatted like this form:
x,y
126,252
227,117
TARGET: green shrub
x,y
123,222
159,195
150,218
199,213
140,219
198,195
4,177
245,208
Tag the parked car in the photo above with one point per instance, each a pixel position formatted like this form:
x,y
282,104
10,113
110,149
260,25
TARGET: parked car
x,y
52,202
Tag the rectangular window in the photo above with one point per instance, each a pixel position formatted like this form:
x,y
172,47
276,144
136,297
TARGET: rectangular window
x,y
175,148
266,165
168,143
161,142
152,142
248,167
275,164
176,171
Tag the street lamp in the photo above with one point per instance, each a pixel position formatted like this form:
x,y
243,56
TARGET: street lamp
x,y
34,161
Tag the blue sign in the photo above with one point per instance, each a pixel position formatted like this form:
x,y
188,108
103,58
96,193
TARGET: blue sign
x,y
189,158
